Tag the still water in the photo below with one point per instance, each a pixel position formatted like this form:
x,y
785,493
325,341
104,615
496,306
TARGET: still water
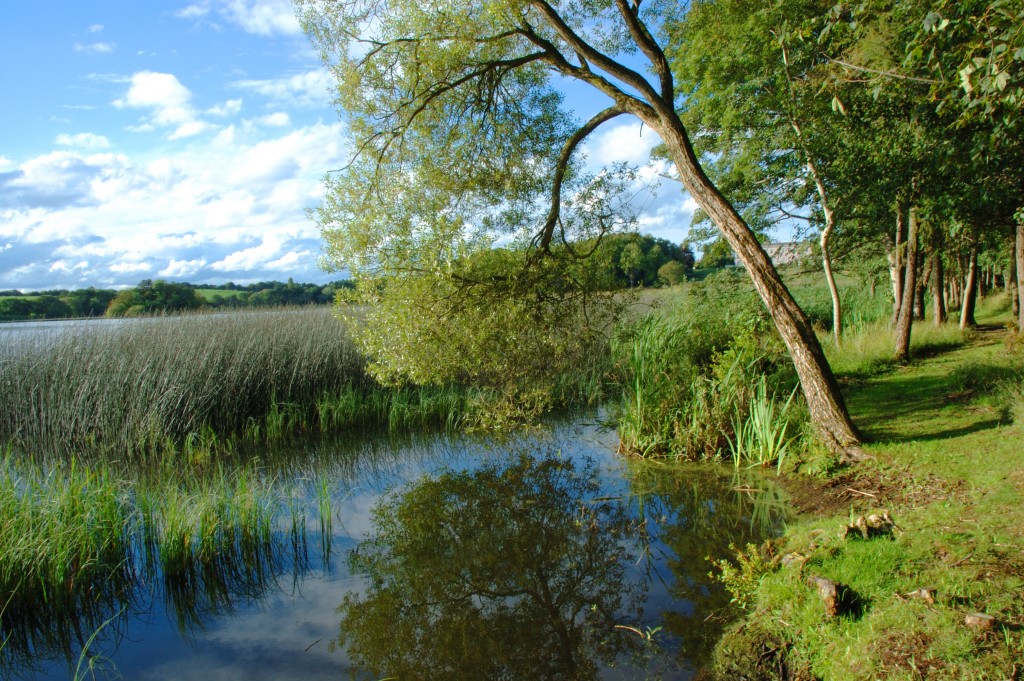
x,y
545,556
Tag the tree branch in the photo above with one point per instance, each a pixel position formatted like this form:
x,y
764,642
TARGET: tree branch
x,y
543,239
599,59
649,46
889,74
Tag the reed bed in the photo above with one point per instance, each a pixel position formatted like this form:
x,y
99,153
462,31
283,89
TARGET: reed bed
x,y
687,371
195,382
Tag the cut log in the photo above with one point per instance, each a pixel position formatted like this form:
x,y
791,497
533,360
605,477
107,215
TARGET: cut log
x,y
980,621
829,591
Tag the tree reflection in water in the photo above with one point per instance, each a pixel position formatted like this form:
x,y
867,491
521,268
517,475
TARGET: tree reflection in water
x,y
512,571
689,514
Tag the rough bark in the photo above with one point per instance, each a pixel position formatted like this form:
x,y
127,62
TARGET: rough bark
x,y
824,400
905,319
1019,259
938,288
1011,285
970,291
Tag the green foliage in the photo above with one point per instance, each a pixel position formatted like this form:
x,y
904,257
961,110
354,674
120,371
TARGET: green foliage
x,y
154,297
522,354
716,254
743,574
672,273
35,307
687,371
761,438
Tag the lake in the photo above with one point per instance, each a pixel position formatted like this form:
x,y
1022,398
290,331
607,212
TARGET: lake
x,y
543,555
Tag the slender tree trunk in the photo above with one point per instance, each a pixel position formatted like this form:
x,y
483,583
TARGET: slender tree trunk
x,y
938,290
824,399
1011,284
970,291
921,287
1019,260
826,207
894,254
905,319
826,261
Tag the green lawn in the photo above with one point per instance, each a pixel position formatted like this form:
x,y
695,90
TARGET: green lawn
x,y
207,294
949,468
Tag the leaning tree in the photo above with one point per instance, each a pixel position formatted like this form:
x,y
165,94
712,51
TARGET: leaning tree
x,y
458,124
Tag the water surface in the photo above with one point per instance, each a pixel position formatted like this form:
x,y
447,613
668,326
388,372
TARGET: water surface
x,y
541,556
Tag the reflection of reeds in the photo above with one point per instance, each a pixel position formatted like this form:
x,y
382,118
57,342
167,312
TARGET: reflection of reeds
x,y
79,546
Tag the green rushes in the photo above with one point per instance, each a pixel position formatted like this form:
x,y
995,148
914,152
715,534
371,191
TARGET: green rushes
x,y
760,439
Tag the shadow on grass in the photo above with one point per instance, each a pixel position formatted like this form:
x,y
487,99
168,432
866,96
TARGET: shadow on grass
x,y
927,407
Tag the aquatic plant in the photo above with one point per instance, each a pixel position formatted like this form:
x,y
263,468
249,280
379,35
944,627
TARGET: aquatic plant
x,y
686,371
760,438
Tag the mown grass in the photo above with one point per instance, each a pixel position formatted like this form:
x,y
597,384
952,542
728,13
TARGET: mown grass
x,y
948,468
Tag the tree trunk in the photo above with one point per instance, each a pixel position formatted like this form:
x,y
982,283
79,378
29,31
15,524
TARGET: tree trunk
x,y
970,291
920,288
894,254
1019,259
1011,284
826,260
824,399
905,318
938,290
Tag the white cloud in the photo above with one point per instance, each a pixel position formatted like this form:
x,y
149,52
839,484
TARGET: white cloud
x,y
263,17
309,90
275,120
95,48
630,143
96,28
191,129
168,101
85,140
193,12
204,213
182,268
228,108
259,17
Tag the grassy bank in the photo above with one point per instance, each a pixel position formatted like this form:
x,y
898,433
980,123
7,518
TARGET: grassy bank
x,y
946,434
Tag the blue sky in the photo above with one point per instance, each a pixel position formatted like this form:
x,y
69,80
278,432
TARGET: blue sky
x,y
182,140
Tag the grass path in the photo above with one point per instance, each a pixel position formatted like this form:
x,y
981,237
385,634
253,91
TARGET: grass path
x,y
949,469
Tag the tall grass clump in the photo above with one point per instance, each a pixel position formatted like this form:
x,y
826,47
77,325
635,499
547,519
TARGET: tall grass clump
x,y
687,371
870,350
762,438
64,540
140,385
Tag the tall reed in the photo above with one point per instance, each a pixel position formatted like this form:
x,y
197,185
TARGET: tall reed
x,y
687,371
80,543
141,385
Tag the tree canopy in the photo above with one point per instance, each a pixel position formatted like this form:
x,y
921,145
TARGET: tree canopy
x,y
462,141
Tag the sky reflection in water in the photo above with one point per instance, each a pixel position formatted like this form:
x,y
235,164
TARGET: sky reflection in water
x,y
285,622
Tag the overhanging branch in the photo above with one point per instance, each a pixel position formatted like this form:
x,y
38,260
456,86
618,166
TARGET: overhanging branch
x,y
543,239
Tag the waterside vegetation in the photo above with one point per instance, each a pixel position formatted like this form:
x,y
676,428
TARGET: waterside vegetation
x,y
907,566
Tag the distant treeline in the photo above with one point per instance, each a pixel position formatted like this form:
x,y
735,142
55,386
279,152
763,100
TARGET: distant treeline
x,y
156,296
622,260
